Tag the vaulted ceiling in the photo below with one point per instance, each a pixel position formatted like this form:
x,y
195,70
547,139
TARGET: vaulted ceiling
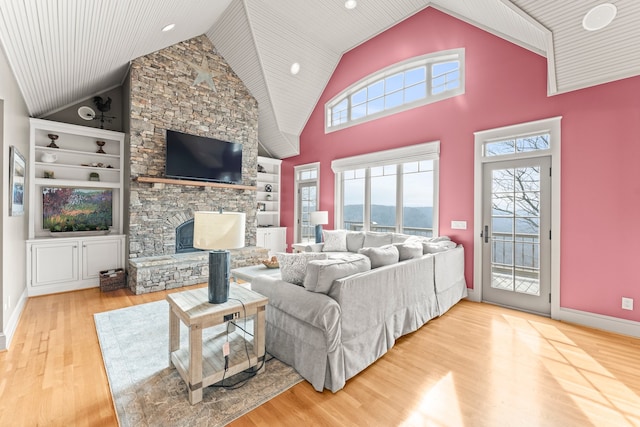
x,y
63,51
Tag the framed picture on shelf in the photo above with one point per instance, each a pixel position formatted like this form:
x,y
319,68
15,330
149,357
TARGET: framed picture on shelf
x,y
17,174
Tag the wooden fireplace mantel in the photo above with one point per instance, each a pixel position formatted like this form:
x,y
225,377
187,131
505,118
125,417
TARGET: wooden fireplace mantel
x,y
155,180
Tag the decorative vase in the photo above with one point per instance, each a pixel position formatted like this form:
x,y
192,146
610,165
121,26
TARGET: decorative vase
x,y
53,138
100,145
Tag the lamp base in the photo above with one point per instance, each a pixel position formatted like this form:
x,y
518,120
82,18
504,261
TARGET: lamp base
x,y
319,233
219,266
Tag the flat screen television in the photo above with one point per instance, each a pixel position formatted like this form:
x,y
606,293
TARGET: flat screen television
x,y
203,159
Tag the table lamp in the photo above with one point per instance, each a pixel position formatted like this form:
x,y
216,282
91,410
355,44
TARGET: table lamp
x,y
217,232
319,218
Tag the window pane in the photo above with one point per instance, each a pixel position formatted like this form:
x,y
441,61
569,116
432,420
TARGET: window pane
x,y
353,209
410,167
377,171
393,83
360,173
417,199
376,90
413,93
358,111
417,75
426,165
383,202
499,148
533,143
393,100
375,106
359,97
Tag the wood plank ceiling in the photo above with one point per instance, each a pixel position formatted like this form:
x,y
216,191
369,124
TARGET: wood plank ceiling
x,y
63,51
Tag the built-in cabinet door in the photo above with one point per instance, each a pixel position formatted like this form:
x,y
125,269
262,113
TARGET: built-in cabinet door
x,y
54,263
99,255
279,239
272,238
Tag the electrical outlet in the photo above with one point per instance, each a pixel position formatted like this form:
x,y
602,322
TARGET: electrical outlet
x,y
232,316
627,303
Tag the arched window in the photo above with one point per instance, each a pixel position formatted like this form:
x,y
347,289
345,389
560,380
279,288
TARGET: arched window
x,y
408,84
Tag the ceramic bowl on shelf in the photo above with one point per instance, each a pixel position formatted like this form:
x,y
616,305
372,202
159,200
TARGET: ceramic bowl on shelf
x,y
48,158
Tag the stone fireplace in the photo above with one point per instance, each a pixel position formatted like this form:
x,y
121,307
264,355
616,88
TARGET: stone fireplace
x,y
163,94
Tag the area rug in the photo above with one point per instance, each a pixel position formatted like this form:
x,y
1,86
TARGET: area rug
x,y
147,392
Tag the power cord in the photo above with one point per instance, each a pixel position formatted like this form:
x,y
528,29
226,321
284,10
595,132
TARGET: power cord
x,y
252,371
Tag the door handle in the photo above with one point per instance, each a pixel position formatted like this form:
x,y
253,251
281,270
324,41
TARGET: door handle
x,y
485,234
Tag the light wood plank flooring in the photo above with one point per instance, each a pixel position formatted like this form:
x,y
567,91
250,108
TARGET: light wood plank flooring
x,y
478,365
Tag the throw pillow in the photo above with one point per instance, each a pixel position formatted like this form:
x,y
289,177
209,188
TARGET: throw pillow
x,y
334,240
384,255
294,266
321,274
375,240
355,240
409,250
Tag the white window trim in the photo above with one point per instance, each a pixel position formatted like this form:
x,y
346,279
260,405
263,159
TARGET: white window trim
x,y
428,59
296,197
552,127
412,153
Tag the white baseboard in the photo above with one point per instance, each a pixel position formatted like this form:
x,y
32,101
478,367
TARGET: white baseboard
x,y
12,325
599,321
584,318
473,295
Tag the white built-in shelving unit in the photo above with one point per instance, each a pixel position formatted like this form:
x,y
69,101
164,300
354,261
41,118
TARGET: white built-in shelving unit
x,y
58,262
270,234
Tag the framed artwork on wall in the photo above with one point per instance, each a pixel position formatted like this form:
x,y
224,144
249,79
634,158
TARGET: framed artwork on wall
x,y
17,174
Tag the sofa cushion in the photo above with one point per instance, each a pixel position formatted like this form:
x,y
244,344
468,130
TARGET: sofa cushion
x,y
321,274
355,240
374,239
334,240
384,255
294,266
435,247
418,239
409,250
399,238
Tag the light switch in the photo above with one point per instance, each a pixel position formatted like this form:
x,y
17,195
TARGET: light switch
x,y
459,225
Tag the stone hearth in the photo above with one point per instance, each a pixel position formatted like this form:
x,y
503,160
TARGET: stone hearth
x,y
158,273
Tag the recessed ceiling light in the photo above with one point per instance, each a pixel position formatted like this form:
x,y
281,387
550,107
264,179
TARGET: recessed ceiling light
x,y
599,17
295,68
350,4
168,27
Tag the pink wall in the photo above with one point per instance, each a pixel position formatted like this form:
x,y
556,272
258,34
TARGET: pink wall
x,y
505,85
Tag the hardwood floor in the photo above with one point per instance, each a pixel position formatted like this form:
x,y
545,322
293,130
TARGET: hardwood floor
x,y
478,365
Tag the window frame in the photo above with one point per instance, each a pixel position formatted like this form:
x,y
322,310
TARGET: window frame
x,y
427,61
297,181
397,156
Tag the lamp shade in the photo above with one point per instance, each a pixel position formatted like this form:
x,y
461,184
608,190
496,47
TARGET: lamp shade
x,y
218,230
319,218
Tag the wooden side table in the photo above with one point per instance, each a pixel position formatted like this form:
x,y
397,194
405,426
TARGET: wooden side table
x,y
202,363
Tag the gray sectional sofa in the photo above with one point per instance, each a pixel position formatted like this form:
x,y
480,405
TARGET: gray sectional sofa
x,y
344,315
